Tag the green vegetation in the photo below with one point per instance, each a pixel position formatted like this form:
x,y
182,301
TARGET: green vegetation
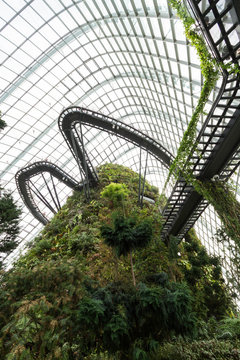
x,y
180,165
203,275
2,122
9,218
199,350
221,196
217,193
116,194
233,274
126,235
71,295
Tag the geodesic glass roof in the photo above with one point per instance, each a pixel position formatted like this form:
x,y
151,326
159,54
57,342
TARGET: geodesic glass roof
x,y
128,59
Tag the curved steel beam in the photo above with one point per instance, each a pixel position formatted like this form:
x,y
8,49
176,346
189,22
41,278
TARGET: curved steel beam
x,y
24,175
67,39
68,120
74,115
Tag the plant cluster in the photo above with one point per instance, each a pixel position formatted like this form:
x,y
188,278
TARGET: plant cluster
x,y
126,235
59,313
222,197
71,297
199,350
233,274
202,273
9,218
9,222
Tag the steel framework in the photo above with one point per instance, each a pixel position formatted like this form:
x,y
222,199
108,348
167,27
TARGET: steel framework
x,y
127,59
68,121
217,145
26,187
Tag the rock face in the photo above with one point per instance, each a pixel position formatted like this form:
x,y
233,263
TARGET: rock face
x,y
72,296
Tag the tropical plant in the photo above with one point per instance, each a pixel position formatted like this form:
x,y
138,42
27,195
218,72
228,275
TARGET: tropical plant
x,y
115,193
229,328
126,235
198,350
221,196
9,223
204,276
9,218
63,300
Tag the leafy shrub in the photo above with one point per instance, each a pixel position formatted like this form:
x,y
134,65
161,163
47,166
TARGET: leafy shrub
x,y
199,350
116,193
203,275
126,234
9,222
229,328
83,242
90,313
116,334
42,245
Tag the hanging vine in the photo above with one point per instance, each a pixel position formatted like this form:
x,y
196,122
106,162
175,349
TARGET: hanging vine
x,y
210,74
218,193
221,196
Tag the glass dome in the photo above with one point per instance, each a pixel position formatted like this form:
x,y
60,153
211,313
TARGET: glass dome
x,y
127,59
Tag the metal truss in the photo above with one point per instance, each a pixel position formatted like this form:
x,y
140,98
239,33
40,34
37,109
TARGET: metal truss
x,y
70,124
27,188
72,116
217,146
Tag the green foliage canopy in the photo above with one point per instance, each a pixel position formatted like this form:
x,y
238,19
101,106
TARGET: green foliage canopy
x,y
117,193
126,234
9,222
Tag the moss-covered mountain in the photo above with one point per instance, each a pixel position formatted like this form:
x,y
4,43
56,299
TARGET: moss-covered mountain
x,y
99,281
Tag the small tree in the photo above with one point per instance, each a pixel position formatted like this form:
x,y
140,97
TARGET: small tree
x,y
116,193
126,235
9,219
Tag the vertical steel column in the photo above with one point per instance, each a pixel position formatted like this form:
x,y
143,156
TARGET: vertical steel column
x,y
78,162
139,186
84,161
58,208
40,197
144,178
54,188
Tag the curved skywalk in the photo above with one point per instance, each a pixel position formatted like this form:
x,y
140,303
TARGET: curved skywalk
x,y
70,123
126,59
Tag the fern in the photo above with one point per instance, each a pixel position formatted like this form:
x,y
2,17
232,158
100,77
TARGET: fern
x,y
90,312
